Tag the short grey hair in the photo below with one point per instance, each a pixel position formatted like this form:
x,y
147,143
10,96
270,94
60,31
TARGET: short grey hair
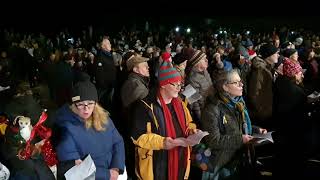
x,y
224,78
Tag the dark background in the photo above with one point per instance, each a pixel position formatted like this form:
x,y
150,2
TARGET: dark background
x,y
50,23
111,15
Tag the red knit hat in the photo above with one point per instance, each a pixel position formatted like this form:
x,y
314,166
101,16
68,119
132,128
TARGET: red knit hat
x,y
291,68
165,56
168,74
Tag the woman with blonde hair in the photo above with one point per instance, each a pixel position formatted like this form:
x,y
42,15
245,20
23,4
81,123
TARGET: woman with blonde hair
x,y
86,128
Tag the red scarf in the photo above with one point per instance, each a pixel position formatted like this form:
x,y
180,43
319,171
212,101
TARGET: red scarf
x,y
173,155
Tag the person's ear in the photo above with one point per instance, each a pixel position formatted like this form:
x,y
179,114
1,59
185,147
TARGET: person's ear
x,y
135,69
225,88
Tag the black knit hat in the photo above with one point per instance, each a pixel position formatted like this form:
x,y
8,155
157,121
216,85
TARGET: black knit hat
x,y
285,45
288,52
186,54
84,90
267,50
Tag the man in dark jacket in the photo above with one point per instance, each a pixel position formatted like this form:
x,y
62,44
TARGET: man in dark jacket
x,y
105,74
260,83
133,89
136,86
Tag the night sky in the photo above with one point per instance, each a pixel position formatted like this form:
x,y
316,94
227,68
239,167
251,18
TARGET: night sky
x,y
113,18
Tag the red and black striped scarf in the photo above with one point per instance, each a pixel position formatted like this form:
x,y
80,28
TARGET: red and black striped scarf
x,y
173,155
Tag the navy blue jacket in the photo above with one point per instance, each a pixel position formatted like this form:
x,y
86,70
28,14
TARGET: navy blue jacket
x,y
76,142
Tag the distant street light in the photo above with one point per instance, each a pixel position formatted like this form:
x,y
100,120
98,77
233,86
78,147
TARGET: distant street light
x,y
177,29
188,30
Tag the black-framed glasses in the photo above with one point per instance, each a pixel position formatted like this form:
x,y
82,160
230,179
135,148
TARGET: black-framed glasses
x,y
237,83
176,85
83,105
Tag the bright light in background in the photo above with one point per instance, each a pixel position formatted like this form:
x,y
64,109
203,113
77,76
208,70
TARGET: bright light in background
x,y
248,32
177,29
220,32
188,30
225,32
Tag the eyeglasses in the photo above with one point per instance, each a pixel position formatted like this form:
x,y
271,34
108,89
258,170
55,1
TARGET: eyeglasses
x,y
237,83
176,85
83,105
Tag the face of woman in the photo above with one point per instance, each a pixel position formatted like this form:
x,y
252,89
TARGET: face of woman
x,y
294,56
202,64
172,90
234,87
85,108
311,54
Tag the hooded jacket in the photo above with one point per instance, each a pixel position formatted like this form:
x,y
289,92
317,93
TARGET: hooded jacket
x,y
76,142
260,83
148,134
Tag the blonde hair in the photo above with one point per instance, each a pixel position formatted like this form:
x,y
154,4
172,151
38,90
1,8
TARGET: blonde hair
x,y
97,120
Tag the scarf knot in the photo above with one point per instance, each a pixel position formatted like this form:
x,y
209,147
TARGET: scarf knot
x,y
239,105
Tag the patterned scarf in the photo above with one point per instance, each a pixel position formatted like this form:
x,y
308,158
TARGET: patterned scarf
x,y
173,155
239,104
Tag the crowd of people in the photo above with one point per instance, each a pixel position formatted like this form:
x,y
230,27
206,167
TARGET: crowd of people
x,y
121,100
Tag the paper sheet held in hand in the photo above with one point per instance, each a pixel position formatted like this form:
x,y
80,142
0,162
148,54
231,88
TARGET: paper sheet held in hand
x,y
192,139
84,171
263,137
191,94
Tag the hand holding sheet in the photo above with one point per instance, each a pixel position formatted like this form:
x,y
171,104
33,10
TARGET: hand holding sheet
x,y
192,139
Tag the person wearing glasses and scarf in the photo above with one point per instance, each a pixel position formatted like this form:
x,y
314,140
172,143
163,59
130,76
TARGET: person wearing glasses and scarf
x,y
84,128
226,118
158,120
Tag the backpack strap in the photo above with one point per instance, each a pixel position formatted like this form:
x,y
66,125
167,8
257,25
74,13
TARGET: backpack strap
x,y
153,115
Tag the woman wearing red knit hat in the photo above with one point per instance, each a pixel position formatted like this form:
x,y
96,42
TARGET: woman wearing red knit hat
x,y
290,102
158,120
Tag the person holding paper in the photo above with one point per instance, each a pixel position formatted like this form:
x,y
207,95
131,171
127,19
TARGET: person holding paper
x,y
226,119
158,121
290,106
198,77
83,128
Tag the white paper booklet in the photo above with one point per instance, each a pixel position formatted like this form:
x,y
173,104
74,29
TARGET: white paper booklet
x,y
86,170
188,91
191,94
4,172
263,137
314,95
192,139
